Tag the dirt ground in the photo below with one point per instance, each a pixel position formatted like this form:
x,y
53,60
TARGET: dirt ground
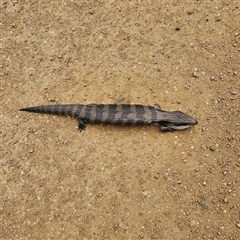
x,y
112,182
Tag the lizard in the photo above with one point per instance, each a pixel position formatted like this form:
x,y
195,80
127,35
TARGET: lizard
x,y
120,114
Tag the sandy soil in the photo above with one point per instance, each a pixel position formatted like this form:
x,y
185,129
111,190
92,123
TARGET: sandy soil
x,y
113,182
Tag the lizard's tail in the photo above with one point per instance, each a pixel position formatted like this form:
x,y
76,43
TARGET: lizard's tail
x,y
68,109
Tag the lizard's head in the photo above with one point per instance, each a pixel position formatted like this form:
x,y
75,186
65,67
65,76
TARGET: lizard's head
x,y
177,121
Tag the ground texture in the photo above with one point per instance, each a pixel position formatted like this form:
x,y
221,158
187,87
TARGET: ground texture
x,y
113,182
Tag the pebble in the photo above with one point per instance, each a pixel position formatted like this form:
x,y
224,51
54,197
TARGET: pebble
x,y
126,98
122,97
195,74
145,193
238,225
218,17
212,148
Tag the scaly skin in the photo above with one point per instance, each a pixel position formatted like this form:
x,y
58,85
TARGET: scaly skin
x,y
121,114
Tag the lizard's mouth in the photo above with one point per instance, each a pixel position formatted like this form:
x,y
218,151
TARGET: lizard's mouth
x,y
180,126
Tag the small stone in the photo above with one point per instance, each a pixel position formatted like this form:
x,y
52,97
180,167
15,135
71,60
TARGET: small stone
x,y
212,148
145,193
122,97
225,200
235,72
31,151
218,17
238,225
195,74
224,173
204,183
100,195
